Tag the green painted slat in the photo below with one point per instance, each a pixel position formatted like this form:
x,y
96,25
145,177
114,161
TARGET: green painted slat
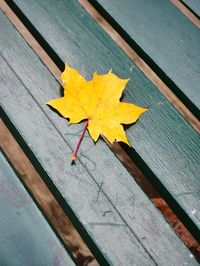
x,y
166,39
102,199
161,136
194,5
26,237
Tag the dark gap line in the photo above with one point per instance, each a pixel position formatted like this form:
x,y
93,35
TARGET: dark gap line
x,y
150,189
190,9
49,50
162,191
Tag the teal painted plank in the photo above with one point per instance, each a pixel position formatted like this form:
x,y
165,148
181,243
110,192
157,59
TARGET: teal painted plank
x,y
102,199
193,5
26,237
164,38
161,136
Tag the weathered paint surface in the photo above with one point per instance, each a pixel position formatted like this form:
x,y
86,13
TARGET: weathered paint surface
x,y
98,193
26,237
165,142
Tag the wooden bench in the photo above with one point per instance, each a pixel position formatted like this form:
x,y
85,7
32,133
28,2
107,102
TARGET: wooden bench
x,y
111,212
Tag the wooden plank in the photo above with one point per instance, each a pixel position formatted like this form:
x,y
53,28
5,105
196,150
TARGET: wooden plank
x,y
26,237
164,38
113,215
193,5
161,136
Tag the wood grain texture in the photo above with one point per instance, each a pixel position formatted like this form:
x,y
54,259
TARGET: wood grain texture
x,y
193,5
164,38
113,215
161,136
26,237
45,200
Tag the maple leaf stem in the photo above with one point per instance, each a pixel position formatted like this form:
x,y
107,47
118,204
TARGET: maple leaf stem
x,y
79,142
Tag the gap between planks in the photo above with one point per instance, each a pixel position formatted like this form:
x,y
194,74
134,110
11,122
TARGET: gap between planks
x,y
187,12
81,251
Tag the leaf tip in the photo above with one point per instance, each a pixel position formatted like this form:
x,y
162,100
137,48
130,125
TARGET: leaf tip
x,y
49,103
63,74
66,66
145,110
127,142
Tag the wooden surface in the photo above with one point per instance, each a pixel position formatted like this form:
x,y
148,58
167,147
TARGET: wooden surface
x,y
193,5
116,219
26,237
45,200
164,38
161,136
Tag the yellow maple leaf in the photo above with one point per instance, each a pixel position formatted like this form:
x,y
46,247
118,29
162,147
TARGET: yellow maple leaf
x,y
96,100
